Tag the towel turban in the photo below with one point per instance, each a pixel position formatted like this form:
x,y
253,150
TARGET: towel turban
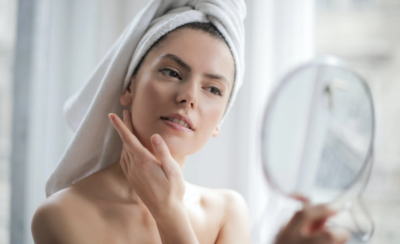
x,y
96,144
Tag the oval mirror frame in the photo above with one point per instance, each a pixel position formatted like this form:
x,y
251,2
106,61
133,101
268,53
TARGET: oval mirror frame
x,y
318,62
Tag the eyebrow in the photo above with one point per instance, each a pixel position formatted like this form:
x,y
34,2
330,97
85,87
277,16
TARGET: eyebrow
x,y
187,67
177,60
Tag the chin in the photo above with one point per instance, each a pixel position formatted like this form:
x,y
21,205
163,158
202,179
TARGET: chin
x,y
178,146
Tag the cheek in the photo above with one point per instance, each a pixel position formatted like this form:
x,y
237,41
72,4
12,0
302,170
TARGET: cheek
x,y
146,107
148,98
212,111
210,117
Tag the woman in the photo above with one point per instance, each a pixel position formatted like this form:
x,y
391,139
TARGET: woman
x,y
178,94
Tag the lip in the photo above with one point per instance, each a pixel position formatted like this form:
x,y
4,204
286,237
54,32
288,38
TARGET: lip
x,y
178,126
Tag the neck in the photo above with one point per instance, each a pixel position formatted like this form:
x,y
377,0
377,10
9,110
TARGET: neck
x,y
181,161
121,186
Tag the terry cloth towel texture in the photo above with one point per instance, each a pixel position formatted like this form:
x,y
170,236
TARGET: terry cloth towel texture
x,y
96,144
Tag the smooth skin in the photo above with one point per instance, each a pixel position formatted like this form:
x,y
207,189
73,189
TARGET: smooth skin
x,y
106,208
141,197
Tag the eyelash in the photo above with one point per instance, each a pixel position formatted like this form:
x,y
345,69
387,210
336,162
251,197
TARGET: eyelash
x,y
219,92
170,70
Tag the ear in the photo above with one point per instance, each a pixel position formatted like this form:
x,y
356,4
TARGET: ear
x,y
126,97
215,132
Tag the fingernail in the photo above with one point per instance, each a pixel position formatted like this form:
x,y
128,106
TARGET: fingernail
x,y
110,116
156,139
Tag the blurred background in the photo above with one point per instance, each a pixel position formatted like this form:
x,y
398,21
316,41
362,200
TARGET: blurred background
x,y
48,49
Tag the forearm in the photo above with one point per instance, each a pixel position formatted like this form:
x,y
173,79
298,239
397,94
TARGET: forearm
x,y
174,225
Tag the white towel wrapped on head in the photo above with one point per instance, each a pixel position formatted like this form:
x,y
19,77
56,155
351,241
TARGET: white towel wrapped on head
x,y
96,144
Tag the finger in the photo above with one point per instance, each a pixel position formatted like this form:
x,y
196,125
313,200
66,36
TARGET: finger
x,y
340,236
316,226
161,151
123,160
309,216
128,138
128,120
319,238
319,212
120,127
300,198
334,236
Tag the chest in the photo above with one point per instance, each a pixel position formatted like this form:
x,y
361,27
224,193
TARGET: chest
x,y
127,225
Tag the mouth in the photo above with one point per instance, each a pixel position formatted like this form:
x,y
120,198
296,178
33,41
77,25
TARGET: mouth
x,y
178,121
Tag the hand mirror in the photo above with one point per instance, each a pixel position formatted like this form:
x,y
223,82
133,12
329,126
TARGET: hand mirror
x,y
318,132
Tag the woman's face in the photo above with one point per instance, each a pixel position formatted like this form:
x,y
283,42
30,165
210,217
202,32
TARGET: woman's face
x,y
181,91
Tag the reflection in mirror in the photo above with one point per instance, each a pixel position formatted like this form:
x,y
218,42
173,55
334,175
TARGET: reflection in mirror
x,y
317,133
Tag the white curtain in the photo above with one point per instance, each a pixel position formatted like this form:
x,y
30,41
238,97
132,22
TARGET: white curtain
x,y
72,36
280,36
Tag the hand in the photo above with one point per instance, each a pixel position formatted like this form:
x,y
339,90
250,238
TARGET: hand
x,y
157,178
158,181
307,226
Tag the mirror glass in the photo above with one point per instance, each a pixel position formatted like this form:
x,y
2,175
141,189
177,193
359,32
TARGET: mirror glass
x,y
317,131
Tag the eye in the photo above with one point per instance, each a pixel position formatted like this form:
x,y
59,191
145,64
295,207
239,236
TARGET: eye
x,y
171,73
215,90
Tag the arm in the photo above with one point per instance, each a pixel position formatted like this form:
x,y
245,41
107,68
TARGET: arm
x,y
236,224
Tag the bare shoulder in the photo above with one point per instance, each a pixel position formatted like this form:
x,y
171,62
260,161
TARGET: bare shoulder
x,y
234,206
235,223
233,200
226,200
57,217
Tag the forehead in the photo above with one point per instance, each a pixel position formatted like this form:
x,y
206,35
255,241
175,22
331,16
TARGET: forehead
x,y
202,51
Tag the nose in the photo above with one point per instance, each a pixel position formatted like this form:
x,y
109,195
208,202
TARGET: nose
x,y
187,94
